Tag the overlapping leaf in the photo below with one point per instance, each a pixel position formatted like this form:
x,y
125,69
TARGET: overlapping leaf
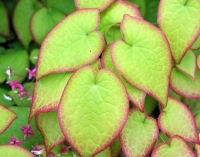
x,y
6,118
139,134
180,21
140,4
177,148
73,43
4,24
198,61
116,148
177,119
139,58
105,153
94,116
196,44
135,95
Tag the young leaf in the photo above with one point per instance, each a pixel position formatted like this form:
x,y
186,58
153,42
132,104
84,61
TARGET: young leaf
x,y
188,64
43,21
136,96
13,150
196,44
175,21
198,61
139,58
101,5
115,147
48,125
4,24
93,117
184,85
177,147
139,134
114,14
73,43
47,93
177,119
6,118
21,18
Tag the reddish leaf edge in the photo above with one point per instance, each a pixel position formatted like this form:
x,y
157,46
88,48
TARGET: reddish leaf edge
x,y
198,65
168,143
119,130
193,121
15,117
45,142
190,43
170,55
103,8
155,138
52,31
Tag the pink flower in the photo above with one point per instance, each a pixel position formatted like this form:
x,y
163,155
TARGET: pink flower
x,y
27,130
15,85
37,151
9,72
14,141
51,154
30,97
64,150
21,93
31,73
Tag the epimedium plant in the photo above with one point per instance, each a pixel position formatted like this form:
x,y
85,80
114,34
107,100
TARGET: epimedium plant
x,y
105,78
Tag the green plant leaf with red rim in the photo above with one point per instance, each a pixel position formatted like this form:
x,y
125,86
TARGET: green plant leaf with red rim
x,y
6,118
21,18
188,64
116,148
177,119
13,150
48,125
196,44
140,60
198,61
42,21
101,5
93,117
184,85
47,93
76,40
177,147
180,21
136,96
139,134
4,24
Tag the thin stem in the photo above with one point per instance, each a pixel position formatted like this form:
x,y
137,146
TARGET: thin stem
x,y
31,138
161,138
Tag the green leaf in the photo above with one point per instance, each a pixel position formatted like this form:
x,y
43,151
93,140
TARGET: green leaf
x,y
139,134
177,119
198,61
112,33
162,138
139,58
47,93
96,65
141,5
196,44
115,13
4,24
21,18
42,21
177,147
3,101
116,148
101,5
184,85
48,125
150,104
93,117
73,43
34,55
6,118
105,153
151,11
13,58
174,19
13,150
188,64
136,96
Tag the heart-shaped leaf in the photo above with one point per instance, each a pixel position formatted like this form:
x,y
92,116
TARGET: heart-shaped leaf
x,y
116,148
114,14
175,21
136,96
139,134
73,43
177,147
53,86
139,58
188,64
6,118
101,5
93,117
48,125
198,61
105,153
184,85
196,44
4,24
43,21
177,119
21,18
13,150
